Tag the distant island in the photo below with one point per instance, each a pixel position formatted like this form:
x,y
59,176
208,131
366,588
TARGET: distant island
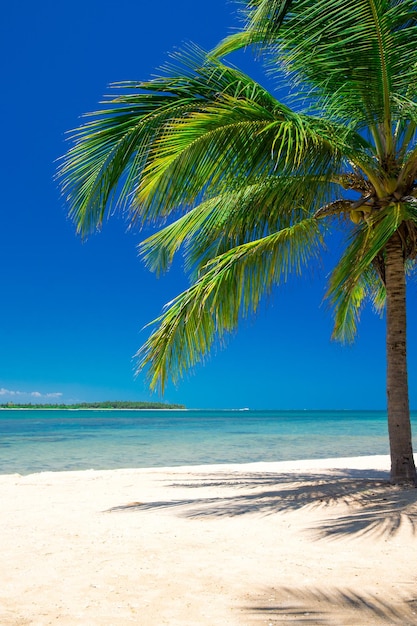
x,y
108,404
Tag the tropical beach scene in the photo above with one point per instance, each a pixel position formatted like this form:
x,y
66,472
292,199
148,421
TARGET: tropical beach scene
x,y
208,371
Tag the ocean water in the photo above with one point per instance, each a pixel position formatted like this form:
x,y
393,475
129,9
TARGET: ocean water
x,y
56,440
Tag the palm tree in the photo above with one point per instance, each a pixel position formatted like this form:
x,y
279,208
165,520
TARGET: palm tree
x,y
251,188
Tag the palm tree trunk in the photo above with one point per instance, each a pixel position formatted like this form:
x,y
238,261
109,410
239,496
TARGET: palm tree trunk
x,y
402,461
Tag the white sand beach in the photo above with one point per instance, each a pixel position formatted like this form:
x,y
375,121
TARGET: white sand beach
x,y
306,542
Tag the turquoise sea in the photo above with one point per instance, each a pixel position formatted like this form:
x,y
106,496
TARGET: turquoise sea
x,y
55,440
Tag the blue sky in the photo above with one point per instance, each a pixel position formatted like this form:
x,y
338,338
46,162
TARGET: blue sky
x,y
73,312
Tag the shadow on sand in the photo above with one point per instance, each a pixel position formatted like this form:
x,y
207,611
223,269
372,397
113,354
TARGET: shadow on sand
x,y
313,606
372,505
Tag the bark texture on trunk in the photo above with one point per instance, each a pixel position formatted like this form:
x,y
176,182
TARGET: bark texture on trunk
x,y
402,461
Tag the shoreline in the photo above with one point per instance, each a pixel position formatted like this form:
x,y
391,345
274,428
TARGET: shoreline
x,y
378,462
229,544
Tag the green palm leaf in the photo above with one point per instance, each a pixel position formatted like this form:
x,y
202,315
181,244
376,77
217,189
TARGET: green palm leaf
x,y
252,210
355,278
251,140
355,54
231,285
131,154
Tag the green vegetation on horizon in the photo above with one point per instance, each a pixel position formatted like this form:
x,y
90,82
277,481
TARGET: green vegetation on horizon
x,y
108,404
251,187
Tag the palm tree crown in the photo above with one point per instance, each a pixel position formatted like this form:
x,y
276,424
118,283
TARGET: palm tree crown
x,y
249,187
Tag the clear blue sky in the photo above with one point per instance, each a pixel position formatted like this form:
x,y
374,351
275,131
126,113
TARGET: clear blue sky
x,y
72,312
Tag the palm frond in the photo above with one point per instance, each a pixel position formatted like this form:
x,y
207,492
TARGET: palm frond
x,y
354,53
180,139
251,210
209,148
108,153
113,146
231,285
355,277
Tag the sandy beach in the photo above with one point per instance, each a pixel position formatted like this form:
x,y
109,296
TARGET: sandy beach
x,y
306,542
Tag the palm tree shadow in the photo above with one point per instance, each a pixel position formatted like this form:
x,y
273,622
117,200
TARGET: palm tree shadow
x,y
382,511
334,606
373,505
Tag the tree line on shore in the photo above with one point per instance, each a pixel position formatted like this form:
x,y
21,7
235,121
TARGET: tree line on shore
x,y
108,404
